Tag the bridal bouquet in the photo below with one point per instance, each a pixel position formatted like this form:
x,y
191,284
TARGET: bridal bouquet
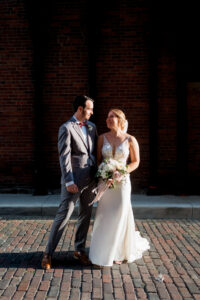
x,y
110,172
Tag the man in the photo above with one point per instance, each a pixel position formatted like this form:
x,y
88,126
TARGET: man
x,y
77,152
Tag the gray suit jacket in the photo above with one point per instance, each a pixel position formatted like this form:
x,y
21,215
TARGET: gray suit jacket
x,y
77,158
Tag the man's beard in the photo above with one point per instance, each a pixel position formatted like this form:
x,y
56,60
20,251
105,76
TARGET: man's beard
x,y
83,115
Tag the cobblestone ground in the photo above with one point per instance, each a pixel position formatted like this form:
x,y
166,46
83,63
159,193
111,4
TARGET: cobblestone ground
x,y
174,256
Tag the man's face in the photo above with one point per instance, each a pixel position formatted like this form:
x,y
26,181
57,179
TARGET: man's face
x,y
87,110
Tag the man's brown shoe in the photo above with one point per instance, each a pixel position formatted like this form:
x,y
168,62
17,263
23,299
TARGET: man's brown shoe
x,y
97,266
82,257
46,261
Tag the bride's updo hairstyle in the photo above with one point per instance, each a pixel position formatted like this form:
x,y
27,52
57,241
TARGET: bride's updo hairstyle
x,y
121,116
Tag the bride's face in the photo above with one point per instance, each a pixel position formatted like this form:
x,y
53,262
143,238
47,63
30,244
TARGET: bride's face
x,y
112,121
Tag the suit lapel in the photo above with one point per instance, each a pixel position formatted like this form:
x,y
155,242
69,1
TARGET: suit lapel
x,y
78,130
89,138
90,141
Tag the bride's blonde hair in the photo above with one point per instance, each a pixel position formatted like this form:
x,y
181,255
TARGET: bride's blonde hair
x,y
121,116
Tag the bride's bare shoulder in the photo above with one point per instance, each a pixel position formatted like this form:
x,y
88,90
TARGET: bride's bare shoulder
x,y
101,136
132,139
128,136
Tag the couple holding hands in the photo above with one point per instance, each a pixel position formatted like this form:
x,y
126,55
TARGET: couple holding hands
x,y
114,238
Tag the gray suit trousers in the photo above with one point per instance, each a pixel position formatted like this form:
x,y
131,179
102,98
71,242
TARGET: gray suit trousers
x,y
65,210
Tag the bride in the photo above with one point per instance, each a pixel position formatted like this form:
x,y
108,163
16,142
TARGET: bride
x,y
114,238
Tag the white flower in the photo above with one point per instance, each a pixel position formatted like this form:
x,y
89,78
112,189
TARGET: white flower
x,y
89,127
111,172
109,168
102,166
112,169
103,174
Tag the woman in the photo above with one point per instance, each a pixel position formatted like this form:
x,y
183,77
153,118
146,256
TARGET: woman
x,y
114,238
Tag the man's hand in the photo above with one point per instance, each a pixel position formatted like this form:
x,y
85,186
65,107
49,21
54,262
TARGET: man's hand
x,y
72,188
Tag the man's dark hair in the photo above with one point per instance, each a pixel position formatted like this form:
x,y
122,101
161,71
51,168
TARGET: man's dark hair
x,y
80,101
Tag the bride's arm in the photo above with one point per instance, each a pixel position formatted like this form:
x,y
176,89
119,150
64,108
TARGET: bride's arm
x,y
134,154
99,147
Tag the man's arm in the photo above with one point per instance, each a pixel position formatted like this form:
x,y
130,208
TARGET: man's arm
x,y
64,149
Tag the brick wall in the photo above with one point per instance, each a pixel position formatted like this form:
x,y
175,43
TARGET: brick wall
x,y
16,96
122,73
66,75
167,108
193,134
52,51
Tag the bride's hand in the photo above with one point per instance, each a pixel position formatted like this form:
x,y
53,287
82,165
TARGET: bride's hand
x,y
109,182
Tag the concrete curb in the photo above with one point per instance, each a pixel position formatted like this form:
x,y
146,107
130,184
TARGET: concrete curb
x,y
151,207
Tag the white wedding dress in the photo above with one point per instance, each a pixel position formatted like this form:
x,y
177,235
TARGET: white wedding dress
x,y
114,237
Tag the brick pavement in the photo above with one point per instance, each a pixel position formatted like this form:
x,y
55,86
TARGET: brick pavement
x,y
174,255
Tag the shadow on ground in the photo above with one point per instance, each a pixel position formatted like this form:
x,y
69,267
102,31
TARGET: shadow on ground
x,y
62,260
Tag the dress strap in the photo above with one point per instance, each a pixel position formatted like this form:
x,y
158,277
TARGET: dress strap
x,y
105,138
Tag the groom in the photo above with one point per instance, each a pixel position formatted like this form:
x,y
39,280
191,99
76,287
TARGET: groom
x,y
76,146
